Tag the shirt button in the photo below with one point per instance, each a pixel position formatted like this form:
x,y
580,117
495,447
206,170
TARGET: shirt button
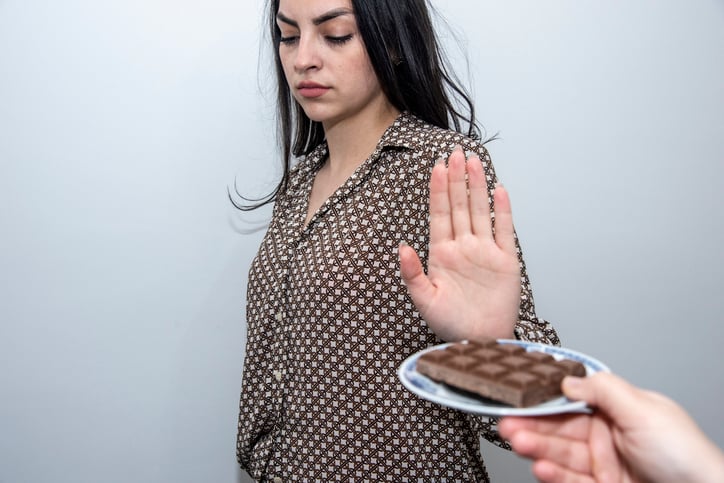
x,y
279,316
278,375
277,479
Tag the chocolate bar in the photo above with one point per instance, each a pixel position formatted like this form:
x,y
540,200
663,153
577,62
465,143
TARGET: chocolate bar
x,y
503,372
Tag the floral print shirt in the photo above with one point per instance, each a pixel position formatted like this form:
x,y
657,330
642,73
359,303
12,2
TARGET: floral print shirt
x,y
329,322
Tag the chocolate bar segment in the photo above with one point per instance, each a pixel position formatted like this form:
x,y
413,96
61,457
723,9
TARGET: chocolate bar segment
x,y
503,372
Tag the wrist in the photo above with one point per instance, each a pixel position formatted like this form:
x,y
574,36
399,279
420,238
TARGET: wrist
x,y
485,331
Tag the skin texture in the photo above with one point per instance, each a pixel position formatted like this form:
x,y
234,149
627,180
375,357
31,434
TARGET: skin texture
x,y
633,436
467,262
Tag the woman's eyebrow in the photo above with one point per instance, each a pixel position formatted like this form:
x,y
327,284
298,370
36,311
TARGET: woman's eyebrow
x,y
283,18
332,14
325,17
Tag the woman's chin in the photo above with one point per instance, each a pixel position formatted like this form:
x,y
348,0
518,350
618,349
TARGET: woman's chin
x,y
316,113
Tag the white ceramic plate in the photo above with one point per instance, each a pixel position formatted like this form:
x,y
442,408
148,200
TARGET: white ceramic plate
x,y
443,394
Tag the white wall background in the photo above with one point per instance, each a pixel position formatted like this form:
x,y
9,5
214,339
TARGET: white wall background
x,y
122,280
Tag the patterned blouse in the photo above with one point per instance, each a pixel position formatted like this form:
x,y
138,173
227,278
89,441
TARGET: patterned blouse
x,y
330,321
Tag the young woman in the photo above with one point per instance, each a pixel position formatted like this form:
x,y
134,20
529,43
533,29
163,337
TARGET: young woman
x,y
367,107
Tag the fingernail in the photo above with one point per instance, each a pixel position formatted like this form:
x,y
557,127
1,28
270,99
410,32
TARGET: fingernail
x,y
440,161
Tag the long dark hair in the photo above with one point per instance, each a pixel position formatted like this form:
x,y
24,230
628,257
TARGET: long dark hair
x,y
410,65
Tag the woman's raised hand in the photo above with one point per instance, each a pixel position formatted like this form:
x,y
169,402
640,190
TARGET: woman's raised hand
x,y
472,286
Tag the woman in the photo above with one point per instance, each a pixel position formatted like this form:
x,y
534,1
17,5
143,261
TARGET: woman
x,y
366,104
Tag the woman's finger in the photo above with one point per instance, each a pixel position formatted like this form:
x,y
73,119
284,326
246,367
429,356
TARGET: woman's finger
x,y
504,231
418,284
458,193
441,229
479,199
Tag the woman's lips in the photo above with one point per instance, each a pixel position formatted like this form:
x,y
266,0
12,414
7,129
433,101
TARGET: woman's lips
x,y
311,90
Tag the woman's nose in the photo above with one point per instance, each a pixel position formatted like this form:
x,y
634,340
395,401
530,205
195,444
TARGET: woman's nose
x,y
307,55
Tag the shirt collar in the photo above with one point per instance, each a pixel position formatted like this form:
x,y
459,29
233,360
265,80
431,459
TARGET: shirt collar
x,y
400,134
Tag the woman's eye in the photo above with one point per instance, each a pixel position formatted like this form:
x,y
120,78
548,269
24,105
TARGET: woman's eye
x,y
288,40
339,40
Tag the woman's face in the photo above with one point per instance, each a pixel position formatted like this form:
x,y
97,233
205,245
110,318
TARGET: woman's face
x,y
325,61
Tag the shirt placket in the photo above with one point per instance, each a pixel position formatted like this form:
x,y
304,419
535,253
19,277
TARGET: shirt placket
x,y
282,346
